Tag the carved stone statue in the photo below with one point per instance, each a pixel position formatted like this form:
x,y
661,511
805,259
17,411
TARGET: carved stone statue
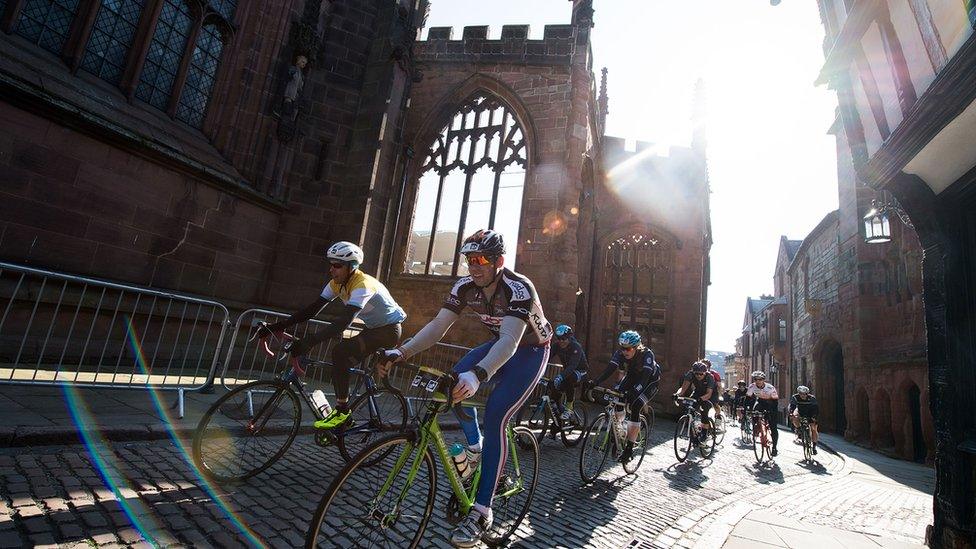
x,y
293,86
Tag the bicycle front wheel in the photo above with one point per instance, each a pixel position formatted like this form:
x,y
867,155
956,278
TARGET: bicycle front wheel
x,y
595,448
719,429
640,447
706,442
573,428
246,431
758,444
682,438
807,446
380,505
516,486
373,415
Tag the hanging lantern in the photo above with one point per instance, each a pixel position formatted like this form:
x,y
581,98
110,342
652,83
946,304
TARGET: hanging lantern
x,y
877,230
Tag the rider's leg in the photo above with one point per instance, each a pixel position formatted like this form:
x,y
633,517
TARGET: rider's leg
x,y
569,388
814,432
514,383
771,416
470,425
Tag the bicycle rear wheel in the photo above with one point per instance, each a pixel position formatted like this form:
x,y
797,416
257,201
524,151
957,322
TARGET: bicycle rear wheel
x,y
682,438
706,442
516,486
573,428
595,448
246,430
807,445
370,419
378,505
640,447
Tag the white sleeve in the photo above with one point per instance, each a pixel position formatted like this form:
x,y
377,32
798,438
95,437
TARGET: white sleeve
x,y
430,333
359,297
328,292
509,335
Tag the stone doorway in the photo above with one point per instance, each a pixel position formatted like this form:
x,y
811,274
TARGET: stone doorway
x,y
919,449
832,385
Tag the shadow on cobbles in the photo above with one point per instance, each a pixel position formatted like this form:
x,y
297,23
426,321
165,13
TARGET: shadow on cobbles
x,y
814,467
689,475
767,472
581,511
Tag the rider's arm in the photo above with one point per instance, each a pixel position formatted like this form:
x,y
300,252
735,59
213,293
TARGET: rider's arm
x,y
509,335
429,334
574,358
792,405
684,387
614,365
814,407
773,394
340,323
301,315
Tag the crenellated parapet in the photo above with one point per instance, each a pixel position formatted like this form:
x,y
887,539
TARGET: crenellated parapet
x,y
557,46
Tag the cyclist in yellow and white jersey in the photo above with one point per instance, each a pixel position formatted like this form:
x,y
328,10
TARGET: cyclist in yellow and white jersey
x,y
363,297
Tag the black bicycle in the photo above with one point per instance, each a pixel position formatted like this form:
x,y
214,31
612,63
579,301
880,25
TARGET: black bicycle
x,y
806,437
690,431
540,415
253,425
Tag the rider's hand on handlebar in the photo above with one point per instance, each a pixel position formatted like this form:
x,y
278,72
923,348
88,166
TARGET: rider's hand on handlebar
x,y
387,359
467,384
264,331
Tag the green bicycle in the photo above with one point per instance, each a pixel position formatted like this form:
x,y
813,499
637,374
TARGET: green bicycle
x,y
385,496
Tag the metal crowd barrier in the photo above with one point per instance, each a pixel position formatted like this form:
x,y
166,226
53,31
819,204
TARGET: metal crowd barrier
x,y
57,328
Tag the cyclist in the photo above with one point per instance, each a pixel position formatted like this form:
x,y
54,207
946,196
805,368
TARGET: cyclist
x,y
766,400
573,359
705,391
803,404
363,297
513,360
740,400
637,378
719,387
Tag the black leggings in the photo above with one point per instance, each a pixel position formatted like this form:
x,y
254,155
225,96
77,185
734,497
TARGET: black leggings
x,y
567,385
350,352
638,399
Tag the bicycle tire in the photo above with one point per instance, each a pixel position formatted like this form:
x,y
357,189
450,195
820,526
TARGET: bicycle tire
x,y
706,445
640,447
539,418
682,446
807,446
578,428
598,438
719,429
351,474
207,461
351,440
499,506
757,444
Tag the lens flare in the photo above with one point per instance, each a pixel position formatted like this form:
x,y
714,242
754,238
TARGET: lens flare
x,y
104,460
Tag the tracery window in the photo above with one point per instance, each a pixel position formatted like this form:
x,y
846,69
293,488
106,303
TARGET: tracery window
x,y
637,289
165,52
110,40
472,177
47,22
200,76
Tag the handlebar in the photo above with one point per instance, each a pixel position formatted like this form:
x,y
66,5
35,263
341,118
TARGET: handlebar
x,y
611,392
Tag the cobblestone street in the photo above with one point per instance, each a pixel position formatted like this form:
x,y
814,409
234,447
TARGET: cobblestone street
x,y
56,495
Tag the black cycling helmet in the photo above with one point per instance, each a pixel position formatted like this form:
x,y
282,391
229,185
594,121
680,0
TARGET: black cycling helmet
x,y
740,382
486,242
699,367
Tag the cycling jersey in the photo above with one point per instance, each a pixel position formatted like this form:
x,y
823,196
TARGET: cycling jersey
x,y
767,390
377,307
572,357
702,385
514,296
807,407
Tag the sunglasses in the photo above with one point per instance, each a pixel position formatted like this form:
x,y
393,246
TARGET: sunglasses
x,y
699,373
627,348
336,265
479,260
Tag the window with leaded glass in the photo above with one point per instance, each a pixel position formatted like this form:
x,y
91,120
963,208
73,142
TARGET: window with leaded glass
x,y
225,8
165,52
200,77
637,289
47,22
111,37
472,178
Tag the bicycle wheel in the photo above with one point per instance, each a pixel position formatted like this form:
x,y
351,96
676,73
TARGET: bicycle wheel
x,y
535,417
706,442
516,486
595,448
682,438
371,418
640,447
807,445
572,429
356,510
246,430
758,445
719,430
745,429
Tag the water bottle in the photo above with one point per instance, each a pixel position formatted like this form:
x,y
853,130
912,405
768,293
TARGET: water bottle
x,y
460,458
321,403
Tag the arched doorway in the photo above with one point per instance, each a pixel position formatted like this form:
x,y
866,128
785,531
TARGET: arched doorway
x,y
919,450
831,381
882,437
862,416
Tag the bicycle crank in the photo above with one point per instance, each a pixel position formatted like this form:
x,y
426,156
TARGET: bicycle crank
x,y
452,511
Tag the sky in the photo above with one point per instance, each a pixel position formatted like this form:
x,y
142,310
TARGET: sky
x,y
772,164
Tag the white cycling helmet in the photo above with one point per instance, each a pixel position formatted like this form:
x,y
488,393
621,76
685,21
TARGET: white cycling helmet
x,y
803,389
347,252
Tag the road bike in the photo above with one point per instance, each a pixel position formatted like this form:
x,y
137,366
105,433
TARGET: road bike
x,y
248,429
540,415
606,437
762,438
806,438
690,431
719,424
389,503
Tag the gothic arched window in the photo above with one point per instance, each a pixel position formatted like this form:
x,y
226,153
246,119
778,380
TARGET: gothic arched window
x,y
637,289
47,22
472,178
165,52
110,40
200,76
